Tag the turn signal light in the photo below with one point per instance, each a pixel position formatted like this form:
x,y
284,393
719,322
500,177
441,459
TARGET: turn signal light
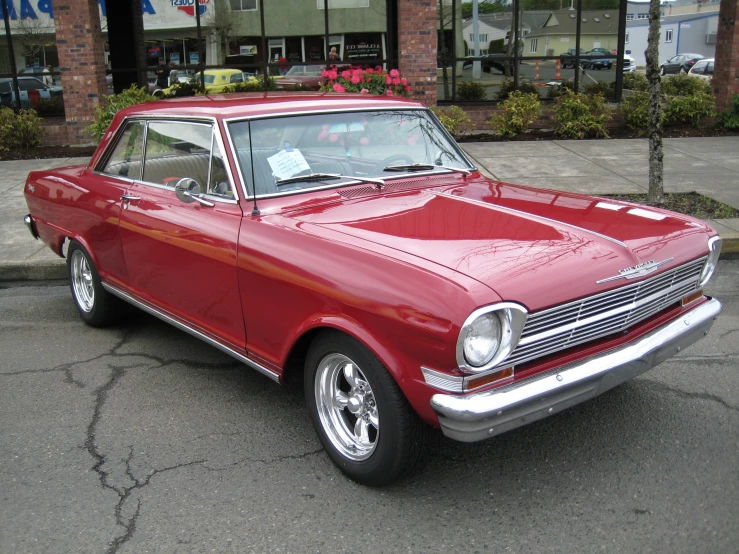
x,y
692,297
477,382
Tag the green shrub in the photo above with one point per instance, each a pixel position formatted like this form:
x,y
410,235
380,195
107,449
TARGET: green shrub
x,y
253,85
556,90
690,109
506,88
496,46
193,87
111,105
471,91
730,118
520,110
682,84
635,111
635,81
579,115
452,117
601,88
19,130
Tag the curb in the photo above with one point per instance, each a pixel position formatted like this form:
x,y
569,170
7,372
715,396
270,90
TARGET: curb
x,y
55,270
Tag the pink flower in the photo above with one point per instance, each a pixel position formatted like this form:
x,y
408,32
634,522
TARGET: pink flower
x,y
396,81
378,68
323,134
338,88
332,75
394,73
388,80
364,91
356,72
364,141
404,81
369,71
346,74
333,138
356,79
389,92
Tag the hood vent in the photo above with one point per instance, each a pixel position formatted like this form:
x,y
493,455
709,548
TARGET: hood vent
x,y
395,186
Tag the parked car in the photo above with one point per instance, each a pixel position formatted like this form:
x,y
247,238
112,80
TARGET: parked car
x,y
31,90
567,59
629,63
215,80
302,75
498,61
702,69
679,64
605,62
347,241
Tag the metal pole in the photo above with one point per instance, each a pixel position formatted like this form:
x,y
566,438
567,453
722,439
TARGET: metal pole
x,y
620,49
200,45
454,49
514,28
577,46
265,50
13,68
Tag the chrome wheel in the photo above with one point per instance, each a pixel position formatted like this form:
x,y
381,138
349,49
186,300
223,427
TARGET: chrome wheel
x,y
346,407
82,284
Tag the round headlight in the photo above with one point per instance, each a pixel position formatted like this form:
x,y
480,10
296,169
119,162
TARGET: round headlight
x,y
482,340
714,251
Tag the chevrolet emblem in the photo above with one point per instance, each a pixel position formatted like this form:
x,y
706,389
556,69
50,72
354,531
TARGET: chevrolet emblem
x,y
638,270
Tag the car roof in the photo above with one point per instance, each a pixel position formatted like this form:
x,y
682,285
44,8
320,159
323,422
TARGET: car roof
x,y
20,78
235,105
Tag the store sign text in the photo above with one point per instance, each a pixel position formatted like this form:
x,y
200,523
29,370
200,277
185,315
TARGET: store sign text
x,y
188,6
27,10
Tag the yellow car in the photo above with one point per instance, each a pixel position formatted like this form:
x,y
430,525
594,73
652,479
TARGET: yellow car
x,y
215,80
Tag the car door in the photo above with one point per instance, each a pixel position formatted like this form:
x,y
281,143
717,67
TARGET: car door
x,y
673,64
180,246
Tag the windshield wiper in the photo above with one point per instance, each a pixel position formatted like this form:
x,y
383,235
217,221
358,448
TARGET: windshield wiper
x,y
327,176
425,167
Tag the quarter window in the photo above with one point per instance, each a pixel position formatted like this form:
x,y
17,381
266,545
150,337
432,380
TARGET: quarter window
x,y
125,161
668,35
534,45
243,5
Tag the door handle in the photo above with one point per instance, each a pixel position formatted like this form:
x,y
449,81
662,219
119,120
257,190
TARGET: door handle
x,y
128,198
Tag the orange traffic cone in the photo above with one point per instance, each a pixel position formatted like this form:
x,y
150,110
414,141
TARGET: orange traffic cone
x,y
557,76
536,74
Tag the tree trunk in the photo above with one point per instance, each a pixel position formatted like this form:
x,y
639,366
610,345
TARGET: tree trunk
x,y
654,128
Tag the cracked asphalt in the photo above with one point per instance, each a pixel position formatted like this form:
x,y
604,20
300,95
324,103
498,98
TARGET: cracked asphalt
x,y
139,438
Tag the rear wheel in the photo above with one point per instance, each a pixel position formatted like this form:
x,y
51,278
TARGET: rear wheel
x,y
96,306
360,414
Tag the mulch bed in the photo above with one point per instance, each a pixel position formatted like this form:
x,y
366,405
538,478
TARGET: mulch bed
x,y
688,203
43,152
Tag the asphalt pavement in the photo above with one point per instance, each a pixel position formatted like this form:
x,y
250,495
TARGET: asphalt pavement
x,y
138,438
709,166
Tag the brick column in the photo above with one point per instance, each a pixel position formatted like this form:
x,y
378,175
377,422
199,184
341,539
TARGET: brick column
x,y
81,63
417,45
726,74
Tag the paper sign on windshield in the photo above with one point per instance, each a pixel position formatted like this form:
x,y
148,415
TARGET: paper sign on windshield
x,y
285,164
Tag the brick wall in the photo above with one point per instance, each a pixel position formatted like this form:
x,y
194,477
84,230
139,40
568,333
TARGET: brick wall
x,y
417,42
80,47
54,131
726,75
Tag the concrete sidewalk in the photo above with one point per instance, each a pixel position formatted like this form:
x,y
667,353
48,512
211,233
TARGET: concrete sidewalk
x,y
709,166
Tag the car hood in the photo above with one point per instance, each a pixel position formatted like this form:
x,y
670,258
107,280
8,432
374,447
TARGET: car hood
x,y
532,246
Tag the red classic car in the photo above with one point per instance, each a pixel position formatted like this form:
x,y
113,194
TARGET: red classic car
x,y
347,241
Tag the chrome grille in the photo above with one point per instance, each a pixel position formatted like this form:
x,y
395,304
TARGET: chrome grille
x,y
600,315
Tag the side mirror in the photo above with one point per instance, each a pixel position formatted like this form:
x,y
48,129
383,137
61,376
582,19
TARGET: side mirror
x,y
186,188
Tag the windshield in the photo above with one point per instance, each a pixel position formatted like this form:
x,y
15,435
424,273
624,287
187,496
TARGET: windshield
x,y
349,147
305,70
209,78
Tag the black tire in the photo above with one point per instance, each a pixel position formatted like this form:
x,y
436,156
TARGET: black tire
x,y
662,71
401,443
96,306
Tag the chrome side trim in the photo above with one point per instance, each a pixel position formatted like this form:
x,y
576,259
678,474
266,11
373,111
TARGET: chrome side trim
x,y
541,217
28,220
183,327
478,416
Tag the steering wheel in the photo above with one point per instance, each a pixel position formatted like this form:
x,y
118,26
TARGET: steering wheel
x,y
405,158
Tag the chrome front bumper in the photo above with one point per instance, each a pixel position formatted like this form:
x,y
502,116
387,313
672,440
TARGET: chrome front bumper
x,y
28,220
482,415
